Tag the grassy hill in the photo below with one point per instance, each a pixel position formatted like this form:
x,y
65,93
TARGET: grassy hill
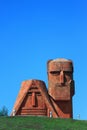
x,y
41,123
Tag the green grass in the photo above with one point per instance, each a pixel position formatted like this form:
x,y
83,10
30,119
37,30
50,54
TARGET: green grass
x,y
41,123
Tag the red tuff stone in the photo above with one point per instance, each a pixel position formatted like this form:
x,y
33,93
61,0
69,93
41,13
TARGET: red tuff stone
x,y
61,86
34,99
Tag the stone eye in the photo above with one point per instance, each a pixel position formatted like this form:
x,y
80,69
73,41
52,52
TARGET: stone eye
x,y
67,73
55,72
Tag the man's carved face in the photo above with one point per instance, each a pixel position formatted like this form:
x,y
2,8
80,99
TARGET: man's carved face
x,y
60,79
60,73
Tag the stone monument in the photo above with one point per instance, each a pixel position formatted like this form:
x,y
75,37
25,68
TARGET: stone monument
x,y
61,86
35,99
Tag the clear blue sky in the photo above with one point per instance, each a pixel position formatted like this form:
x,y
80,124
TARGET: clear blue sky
x,y
34,31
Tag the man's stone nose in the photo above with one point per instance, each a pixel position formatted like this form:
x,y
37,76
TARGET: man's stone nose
x,y
61,77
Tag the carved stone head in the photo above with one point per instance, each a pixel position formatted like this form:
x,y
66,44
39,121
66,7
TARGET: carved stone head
x,y
60,76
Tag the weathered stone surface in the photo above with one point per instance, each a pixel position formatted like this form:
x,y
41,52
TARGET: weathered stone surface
x,y
34,99
61,85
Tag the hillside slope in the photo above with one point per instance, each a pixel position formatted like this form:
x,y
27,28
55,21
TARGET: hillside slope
x,y
40,123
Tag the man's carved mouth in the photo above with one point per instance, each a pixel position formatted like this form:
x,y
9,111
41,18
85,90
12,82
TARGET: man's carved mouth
x,y
63,84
